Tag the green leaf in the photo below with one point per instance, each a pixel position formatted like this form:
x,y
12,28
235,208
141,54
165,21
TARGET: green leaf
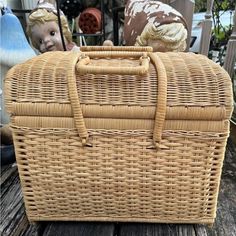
x,y
224,5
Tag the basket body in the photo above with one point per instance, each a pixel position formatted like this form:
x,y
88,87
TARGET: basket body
x,y
119,173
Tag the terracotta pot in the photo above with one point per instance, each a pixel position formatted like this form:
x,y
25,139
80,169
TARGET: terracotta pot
x,y
90,21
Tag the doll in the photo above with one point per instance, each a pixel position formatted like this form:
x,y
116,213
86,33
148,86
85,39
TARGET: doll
x,y
43,29
153,23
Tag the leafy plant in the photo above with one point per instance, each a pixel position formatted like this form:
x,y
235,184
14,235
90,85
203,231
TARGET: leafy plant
x,y
221,33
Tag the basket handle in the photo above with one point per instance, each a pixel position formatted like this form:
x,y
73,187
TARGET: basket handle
x,y
83,66
115,48
161,99
74,99
160,110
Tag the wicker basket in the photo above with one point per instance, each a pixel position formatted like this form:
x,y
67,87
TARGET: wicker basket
x,y
120,134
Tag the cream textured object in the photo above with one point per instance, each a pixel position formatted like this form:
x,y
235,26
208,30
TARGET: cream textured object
x,y
155,24
120,134
173,37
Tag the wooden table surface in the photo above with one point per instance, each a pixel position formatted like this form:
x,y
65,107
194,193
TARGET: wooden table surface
x,y
14,221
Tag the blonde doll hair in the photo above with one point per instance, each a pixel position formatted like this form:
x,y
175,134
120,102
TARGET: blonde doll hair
x,y
41,16
172,35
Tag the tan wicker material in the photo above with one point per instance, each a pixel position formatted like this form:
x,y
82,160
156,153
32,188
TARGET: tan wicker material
x,y
83,66
116,48
107,143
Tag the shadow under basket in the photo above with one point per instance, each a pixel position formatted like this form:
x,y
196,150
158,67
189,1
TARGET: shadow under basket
x,y
120,134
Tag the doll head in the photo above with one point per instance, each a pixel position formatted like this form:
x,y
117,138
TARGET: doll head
x,y
153,23
43,28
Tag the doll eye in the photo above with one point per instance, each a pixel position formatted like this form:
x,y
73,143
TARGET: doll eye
x,y
40,41
52,33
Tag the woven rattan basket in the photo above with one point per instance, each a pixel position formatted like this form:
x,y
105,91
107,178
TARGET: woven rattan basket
x,y
120,134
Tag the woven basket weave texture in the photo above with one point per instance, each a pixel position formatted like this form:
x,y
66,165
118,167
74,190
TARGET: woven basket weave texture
x,y
143,145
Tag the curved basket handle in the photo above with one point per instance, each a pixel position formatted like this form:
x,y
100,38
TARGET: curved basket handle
x,y
83,66
116,48
161,99
74,99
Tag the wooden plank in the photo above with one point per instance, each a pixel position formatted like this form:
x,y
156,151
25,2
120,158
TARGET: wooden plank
x,y
7,178
206,29
230,56
14,221
18,224
201,230
13,218
35,229
6,172
139,229
79,228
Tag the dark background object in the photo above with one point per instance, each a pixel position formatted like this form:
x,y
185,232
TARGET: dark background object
x,y
71,8
7,154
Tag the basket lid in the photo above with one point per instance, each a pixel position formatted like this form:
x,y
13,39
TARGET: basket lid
x,y
197,88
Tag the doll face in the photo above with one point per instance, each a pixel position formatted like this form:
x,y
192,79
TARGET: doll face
x,y
47,37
